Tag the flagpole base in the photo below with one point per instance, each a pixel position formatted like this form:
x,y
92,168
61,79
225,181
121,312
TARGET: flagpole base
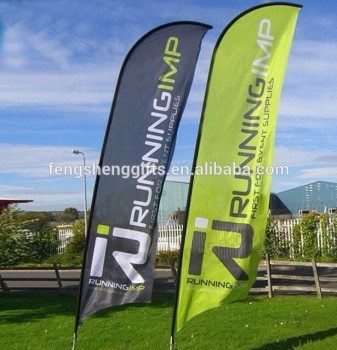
x,y
171,343
74,341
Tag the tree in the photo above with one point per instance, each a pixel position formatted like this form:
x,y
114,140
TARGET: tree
x,y
178,216
14,237
43,243
39,219
69,215
305,237
273,247
73,252
77,242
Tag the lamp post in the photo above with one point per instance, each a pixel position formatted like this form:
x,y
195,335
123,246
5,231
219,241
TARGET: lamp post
x,y
76,151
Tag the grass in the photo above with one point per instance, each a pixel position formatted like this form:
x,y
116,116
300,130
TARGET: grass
x,y
46,321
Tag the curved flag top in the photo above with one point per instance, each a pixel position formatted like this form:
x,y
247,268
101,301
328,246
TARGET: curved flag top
x,y
150,96
229,195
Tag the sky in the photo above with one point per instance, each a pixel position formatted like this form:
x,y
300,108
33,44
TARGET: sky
x,y
59,64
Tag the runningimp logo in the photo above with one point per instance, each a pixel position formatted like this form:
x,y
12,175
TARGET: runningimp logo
x,y
124,259
249,150
225,254
158,147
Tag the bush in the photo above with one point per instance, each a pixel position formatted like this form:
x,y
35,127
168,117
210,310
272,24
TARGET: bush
x,y
14,238
43,243
65,259
329,234
164,257
73,252
272,246
305,237
77,242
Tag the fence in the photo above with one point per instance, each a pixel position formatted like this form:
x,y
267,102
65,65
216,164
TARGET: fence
x,y
326,232
284,234
296,278
169,236
282,277
38,278
65,233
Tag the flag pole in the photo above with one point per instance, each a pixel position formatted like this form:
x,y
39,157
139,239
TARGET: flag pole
x,y
80,287
171,342
192,207
175,305
84,260
74,341
183,234
164,46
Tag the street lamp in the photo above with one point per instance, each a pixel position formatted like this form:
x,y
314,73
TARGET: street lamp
x,y
76,151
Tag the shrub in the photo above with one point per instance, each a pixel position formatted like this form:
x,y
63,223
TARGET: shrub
x,y
73,252
43,243
305,237
14,238
164,257
273,246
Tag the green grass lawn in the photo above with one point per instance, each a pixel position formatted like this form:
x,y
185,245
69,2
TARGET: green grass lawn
x,y
46,321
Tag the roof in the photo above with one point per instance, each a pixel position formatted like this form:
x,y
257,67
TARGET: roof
x,y
319,196
5,202
316,184
8,201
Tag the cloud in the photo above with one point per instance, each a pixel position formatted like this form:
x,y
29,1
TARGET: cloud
x,y
26,173
322,173
50,50
13,190
310,84
298,156
327,159
46,195
87,89
60,62
35,160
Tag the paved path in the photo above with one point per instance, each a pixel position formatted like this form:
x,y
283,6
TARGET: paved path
x,y
163,278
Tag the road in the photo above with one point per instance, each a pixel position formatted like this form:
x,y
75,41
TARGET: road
x,y
38,279
163,278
